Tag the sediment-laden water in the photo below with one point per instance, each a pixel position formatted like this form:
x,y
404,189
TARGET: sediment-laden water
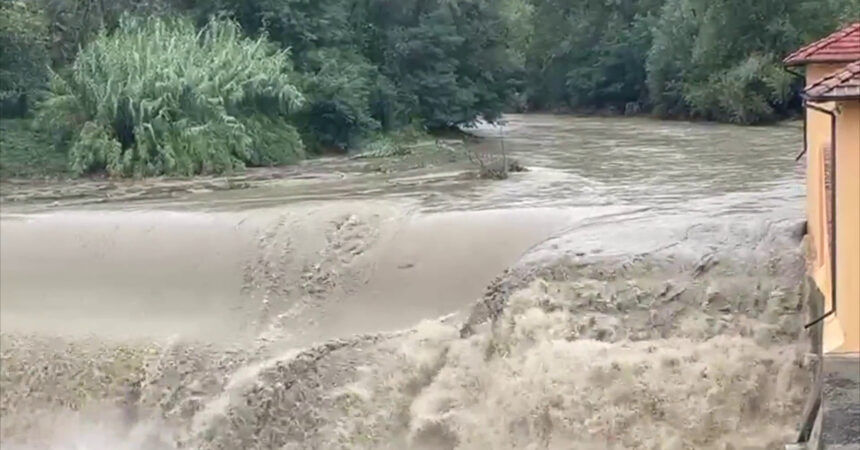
x,y
639,287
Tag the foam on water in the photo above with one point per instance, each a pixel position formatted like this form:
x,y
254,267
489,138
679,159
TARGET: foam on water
x,y
669,319
677,349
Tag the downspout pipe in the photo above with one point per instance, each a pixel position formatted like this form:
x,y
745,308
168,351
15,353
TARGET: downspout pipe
x,y
797,74
805,139
832,114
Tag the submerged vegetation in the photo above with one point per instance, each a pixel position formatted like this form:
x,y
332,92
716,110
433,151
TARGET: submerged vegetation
x,y
181,87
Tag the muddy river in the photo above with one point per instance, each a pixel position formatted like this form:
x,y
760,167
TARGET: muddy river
x,y
638,287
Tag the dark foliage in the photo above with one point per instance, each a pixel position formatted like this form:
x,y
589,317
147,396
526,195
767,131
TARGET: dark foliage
x,y
369,67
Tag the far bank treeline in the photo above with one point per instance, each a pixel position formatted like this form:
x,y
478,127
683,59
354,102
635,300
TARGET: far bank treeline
x,y
147,87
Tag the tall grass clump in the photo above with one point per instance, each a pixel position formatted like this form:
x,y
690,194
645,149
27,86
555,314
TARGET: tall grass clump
x,y
158,96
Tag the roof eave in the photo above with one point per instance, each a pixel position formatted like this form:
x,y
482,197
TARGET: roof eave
x,y
806,54
831,98
806,62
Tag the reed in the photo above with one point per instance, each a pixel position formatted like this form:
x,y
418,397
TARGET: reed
x,y
158,96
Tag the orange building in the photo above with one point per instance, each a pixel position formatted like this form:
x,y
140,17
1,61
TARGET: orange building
x,y
831,100
832,146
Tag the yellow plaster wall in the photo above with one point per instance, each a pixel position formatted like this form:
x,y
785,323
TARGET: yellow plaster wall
x,y
848,224
815,72
818,136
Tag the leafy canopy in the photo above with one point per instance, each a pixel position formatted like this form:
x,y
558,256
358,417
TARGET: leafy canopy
x,y
23,56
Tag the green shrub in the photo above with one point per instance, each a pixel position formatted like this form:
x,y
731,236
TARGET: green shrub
x,y
338,86
159,97
26,152
749,92
720,59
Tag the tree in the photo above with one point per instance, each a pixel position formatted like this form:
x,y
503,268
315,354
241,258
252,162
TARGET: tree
x,y
451,60
339,86
370,64
589,53
24,56
720,59
75,23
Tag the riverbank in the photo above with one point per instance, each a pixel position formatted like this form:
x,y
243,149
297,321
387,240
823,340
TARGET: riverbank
x,y
32,171
49,193
28,159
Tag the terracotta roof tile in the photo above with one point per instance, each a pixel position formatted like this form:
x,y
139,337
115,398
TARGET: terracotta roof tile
x,y
843,84
841,46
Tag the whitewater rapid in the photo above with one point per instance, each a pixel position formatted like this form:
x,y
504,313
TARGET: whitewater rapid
x,y
648,295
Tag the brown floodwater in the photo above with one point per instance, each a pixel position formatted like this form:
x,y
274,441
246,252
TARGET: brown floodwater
x,y
637,287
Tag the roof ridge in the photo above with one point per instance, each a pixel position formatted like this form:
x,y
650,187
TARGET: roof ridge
x,y
808,52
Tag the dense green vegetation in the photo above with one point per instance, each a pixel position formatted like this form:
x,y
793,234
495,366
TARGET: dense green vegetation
x,y
709,59
144,87
24,56
721,59
156,97
25,152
